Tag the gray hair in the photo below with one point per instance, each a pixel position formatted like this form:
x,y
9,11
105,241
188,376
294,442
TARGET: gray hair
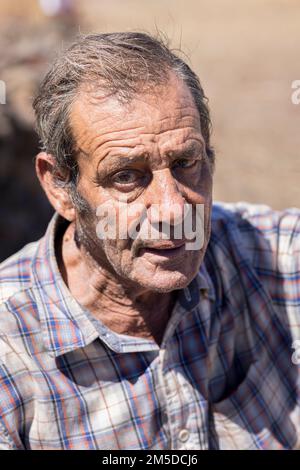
x,y
124,63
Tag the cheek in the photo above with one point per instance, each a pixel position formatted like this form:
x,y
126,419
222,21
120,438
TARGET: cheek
x,y
118,247
198,188
119,256
126,225
204,183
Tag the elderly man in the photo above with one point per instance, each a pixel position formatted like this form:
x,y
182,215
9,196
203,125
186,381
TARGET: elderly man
x,y
113,341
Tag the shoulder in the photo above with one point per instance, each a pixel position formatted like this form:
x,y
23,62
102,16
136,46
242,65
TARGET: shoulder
x,y
249,237
259,226
18,312
15,272
261,216
20,335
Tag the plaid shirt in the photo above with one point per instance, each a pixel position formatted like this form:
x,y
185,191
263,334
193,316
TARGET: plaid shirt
x,y
223,377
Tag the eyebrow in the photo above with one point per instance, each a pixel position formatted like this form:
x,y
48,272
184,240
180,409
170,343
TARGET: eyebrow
x,y
188,152
115,161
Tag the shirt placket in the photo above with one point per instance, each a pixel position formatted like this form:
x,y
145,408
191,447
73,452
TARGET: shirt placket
x,y
187,423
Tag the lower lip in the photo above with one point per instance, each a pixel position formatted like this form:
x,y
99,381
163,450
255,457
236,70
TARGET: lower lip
x,y
164,254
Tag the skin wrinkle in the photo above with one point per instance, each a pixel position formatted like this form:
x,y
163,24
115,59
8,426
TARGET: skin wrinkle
x,y
157,129
184,152
123,285
125,143
142,159
107,151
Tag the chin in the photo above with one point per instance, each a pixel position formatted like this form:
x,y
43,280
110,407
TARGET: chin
x,y
165,281
160,275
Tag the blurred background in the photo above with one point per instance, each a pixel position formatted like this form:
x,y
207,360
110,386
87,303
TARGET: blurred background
x,y
246,54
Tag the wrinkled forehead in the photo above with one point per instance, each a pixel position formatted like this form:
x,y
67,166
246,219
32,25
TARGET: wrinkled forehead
x,y
156,110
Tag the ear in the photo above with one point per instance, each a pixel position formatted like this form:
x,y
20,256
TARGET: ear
x,y
58,197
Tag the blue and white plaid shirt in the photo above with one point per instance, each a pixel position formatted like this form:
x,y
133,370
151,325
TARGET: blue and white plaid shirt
x,y
226,375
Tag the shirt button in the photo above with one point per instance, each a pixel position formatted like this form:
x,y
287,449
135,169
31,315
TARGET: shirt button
x,y
183,435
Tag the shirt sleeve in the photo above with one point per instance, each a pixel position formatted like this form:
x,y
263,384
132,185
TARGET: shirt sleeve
x,y
263,408
271,240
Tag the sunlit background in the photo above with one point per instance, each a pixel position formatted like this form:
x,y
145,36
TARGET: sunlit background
x,y
246,54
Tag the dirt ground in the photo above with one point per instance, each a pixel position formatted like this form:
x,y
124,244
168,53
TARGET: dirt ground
x,y
247,55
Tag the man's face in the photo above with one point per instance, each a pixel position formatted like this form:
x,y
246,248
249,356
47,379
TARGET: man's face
x,y
147,154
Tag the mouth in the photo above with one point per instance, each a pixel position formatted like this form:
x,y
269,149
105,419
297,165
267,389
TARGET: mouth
x,y
163,251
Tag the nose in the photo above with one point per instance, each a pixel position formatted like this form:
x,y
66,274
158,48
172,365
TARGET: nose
x,y
165,200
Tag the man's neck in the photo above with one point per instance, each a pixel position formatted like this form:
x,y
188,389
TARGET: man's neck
x,y
124,309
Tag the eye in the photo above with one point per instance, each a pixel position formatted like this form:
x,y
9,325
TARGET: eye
x,y
125,177
128,180
185,163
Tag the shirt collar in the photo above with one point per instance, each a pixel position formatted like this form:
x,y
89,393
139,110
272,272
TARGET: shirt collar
x,y
65,323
